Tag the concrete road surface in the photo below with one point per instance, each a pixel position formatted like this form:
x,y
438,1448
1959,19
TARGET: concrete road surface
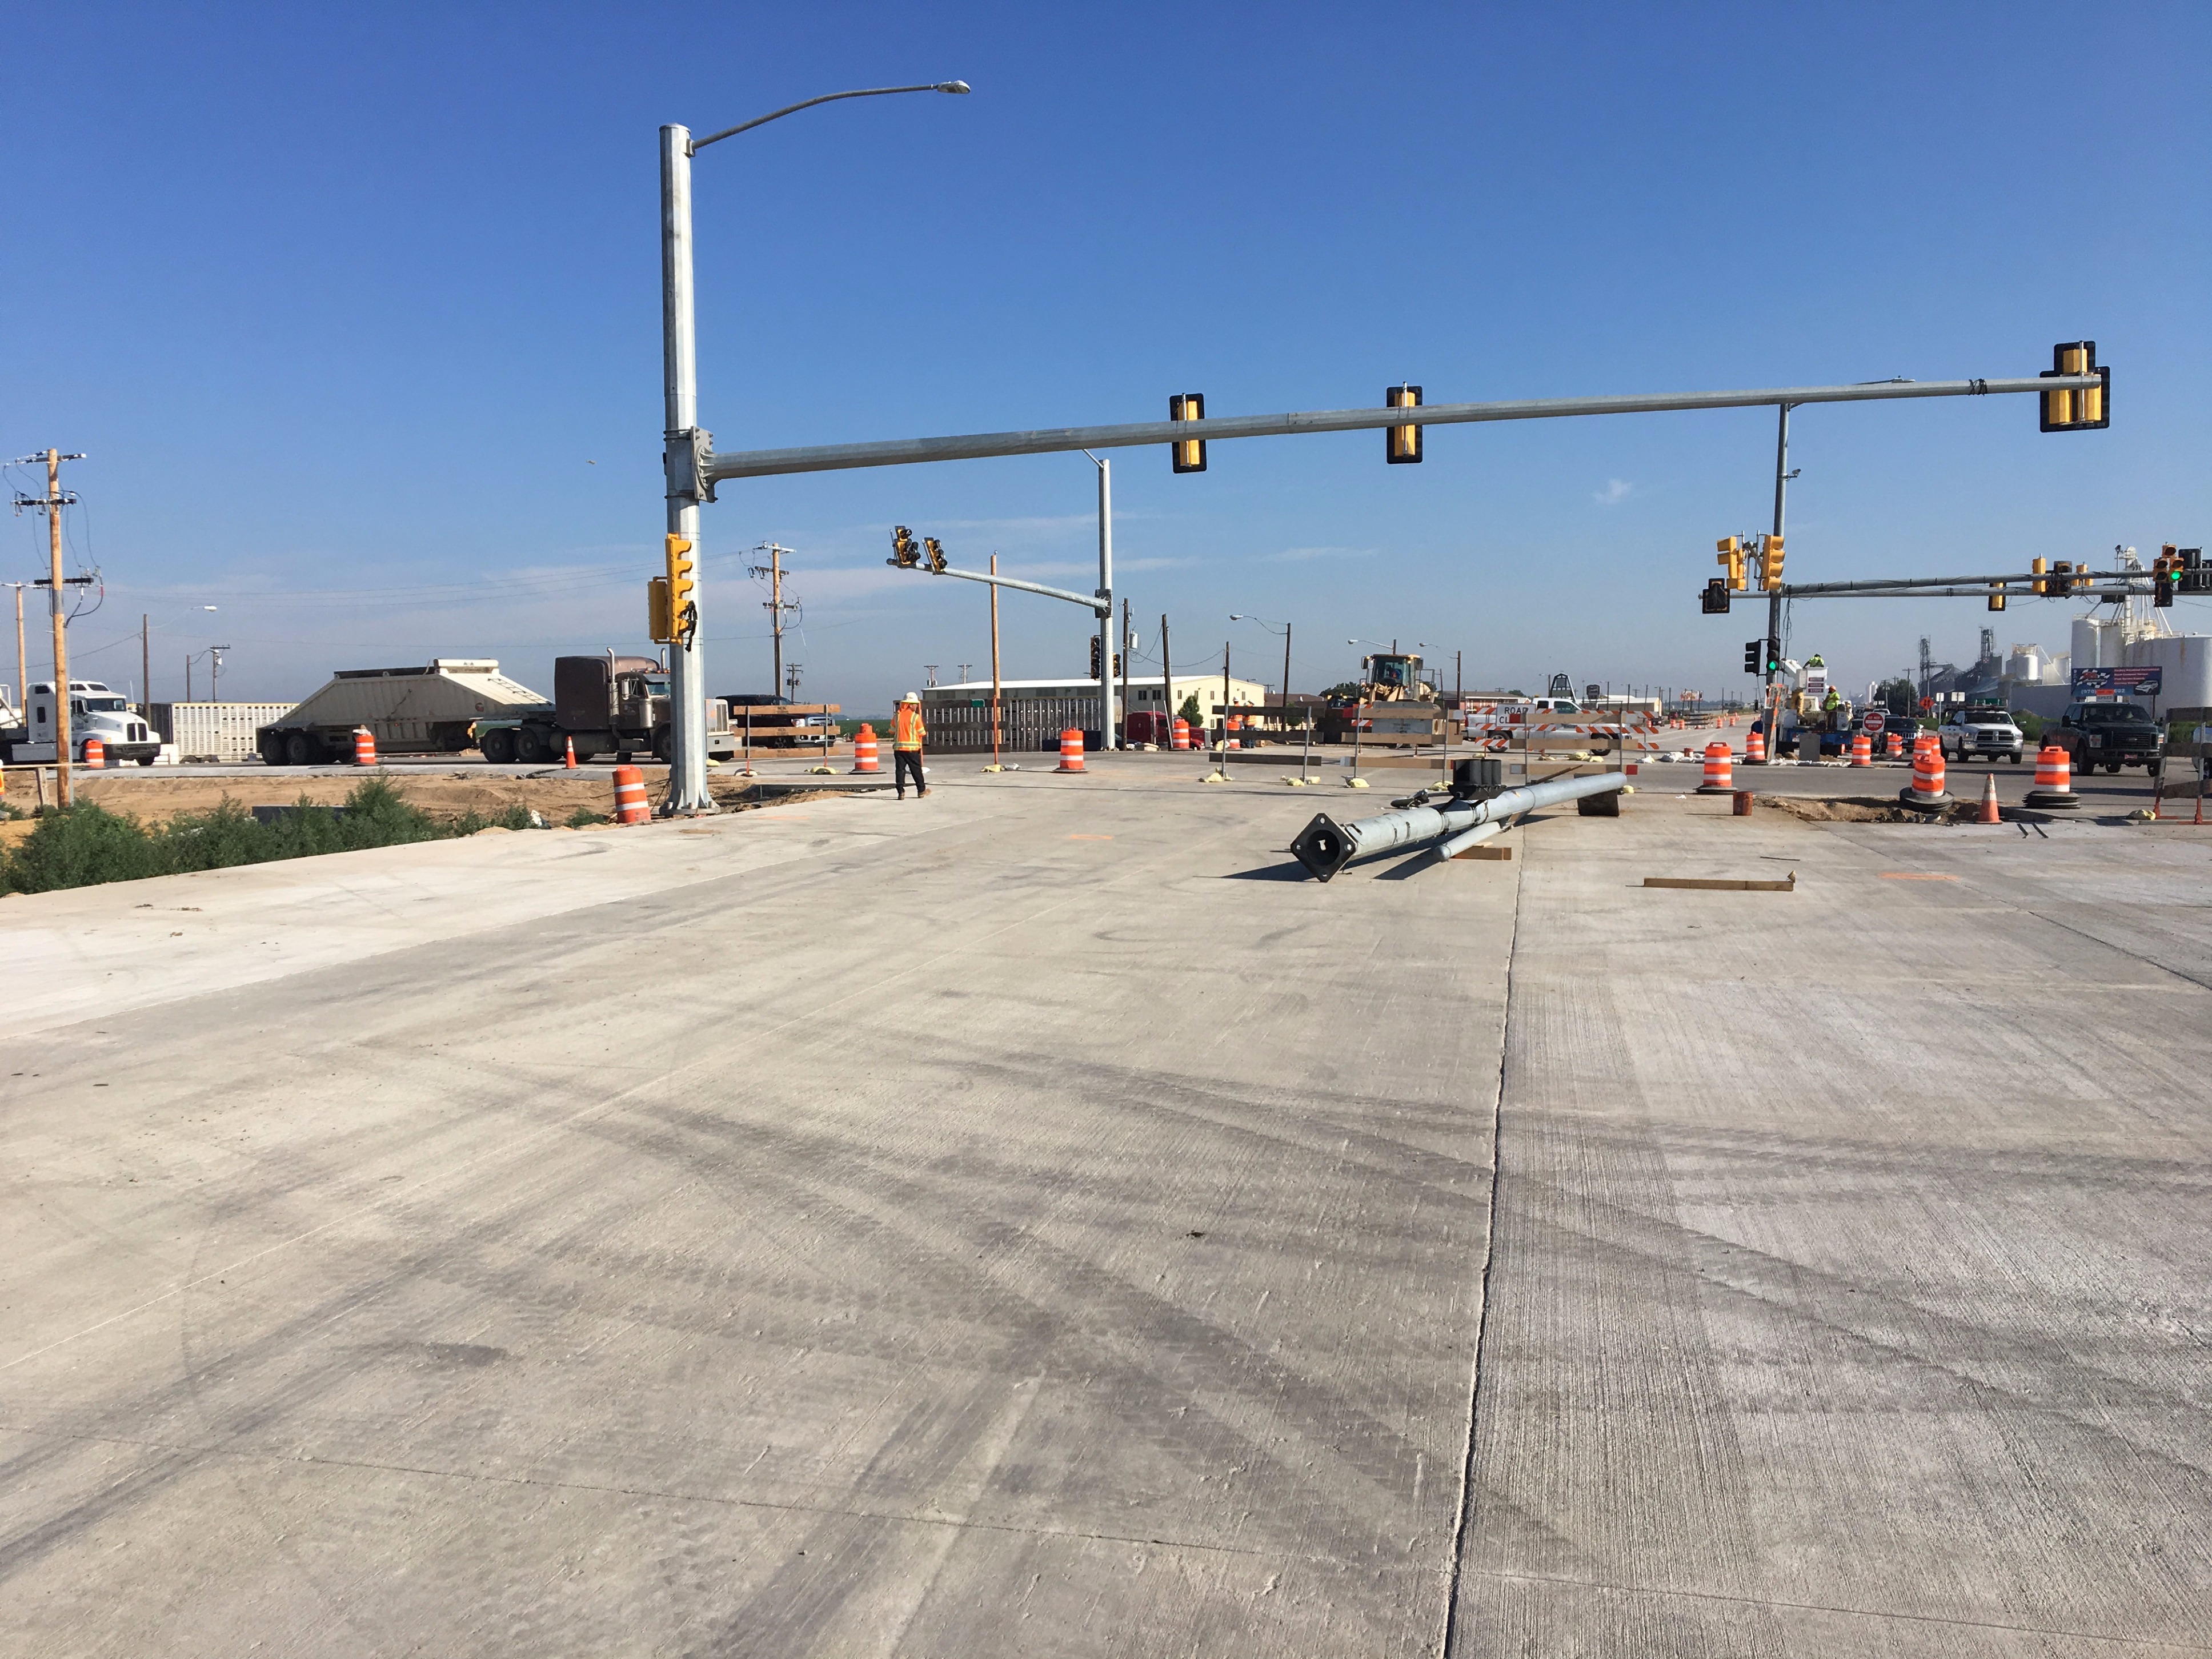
x,y
1035,1220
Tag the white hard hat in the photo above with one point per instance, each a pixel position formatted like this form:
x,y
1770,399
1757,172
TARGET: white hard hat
x,y
911,696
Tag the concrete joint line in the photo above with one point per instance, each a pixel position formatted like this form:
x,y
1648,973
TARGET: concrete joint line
x,y
1450,1630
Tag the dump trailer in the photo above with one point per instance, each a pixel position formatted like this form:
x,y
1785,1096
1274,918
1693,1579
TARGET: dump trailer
x,y
604,705
432,710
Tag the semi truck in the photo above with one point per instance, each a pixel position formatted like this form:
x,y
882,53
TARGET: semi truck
x,y
604,705
95,711
430,710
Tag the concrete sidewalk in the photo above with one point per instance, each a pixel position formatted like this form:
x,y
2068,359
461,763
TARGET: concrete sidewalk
x,y
1036,1220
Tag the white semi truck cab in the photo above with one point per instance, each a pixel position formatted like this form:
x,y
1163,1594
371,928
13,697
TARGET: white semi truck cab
x,y
95,711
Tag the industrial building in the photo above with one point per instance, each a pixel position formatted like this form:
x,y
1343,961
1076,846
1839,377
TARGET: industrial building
x,y
1032,714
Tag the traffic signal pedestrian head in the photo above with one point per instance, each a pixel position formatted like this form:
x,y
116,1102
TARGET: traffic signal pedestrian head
x,y
1714,601
683,607
936,552
2090,408
905,552
1187,407
1402,445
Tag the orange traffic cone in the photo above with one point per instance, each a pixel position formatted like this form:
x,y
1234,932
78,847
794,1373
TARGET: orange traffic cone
x,y
570,762
1989,814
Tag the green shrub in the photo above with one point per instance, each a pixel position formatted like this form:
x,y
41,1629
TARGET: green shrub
x,y
77,847
2031,727
584,815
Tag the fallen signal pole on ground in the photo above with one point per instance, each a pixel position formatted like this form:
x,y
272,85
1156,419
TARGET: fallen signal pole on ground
x,y
1325,846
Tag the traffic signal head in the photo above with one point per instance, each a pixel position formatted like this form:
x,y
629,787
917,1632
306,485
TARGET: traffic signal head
x,y
2165,574
1770,561
2037,570
1996,596
2195,577
1773,664
1714,601
1402,445
906,553
2061,582
1187,407
656,609
1733,560
2086,410
683,608
1754,653
936,554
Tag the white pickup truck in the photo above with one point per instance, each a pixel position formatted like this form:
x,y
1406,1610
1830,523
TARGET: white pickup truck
x,y
1968,732
94,711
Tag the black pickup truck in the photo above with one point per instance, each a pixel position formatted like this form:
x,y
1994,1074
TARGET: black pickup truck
x,y
2107,734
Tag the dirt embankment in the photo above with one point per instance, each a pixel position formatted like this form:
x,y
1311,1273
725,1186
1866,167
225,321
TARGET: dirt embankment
x,y
1862,810
447,794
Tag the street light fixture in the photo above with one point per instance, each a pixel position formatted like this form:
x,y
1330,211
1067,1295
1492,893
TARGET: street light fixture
x,y
688,450
1238,615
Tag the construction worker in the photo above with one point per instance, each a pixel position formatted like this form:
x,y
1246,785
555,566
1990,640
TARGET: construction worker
x,y
908,731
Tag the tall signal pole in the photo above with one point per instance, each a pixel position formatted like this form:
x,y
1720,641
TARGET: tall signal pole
x,y
52,504
22,664
1774,600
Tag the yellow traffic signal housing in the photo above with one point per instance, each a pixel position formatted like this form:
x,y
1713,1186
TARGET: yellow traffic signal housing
x,y
1402,445
656,610
1770,561
1736,562
936,554
1187,407
905,552
2037,569
2087,410
682,610
1996,596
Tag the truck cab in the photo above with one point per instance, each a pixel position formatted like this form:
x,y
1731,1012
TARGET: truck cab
x,y
95,711
2110,733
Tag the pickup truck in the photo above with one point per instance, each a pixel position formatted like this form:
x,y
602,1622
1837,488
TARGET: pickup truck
x,y
1968,732
2107,734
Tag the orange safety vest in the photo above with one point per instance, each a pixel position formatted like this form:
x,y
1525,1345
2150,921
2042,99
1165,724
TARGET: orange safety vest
x,y
907,728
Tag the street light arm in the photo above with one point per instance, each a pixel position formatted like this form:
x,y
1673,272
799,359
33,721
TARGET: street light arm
x,y
698,145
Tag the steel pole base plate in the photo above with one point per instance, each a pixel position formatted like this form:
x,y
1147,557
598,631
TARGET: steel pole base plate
x,y
1716,789
2053,800
1914,798
1322,848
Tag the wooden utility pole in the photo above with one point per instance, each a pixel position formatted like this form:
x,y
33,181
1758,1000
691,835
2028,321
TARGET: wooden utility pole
x,y
994,663
51,503
23,663
1128,641
1167,680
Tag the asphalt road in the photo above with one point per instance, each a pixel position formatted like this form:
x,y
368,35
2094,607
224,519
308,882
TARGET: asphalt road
x,y
1036,1220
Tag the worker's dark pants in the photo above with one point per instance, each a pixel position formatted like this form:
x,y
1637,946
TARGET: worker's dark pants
x,y
904,760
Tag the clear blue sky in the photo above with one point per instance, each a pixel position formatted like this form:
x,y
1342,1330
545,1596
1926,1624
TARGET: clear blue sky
x,y
357,312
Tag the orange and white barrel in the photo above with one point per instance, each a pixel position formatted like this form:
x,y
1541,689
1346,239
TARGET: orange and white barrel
x,y
1720,774
1071,752
1754,748
864,749
2054,778
1862,749
630,806
1897,745
364,746
96,754
1927,788
1179,735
